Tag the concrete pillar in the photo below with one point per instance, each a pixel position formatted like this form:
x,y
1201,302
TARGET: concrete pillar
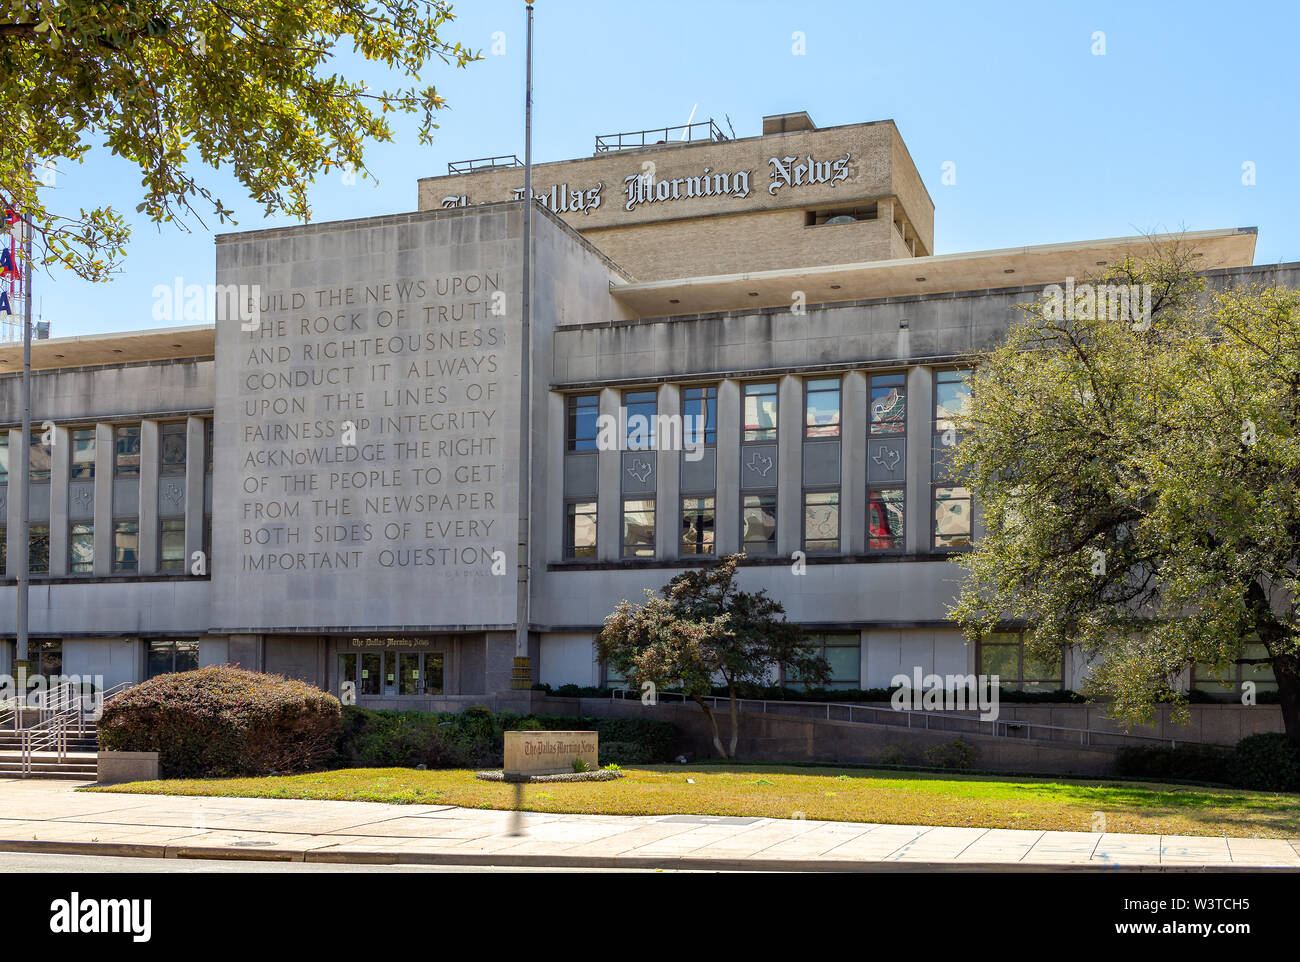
x,y
668,519
853,463
789,457
103,500
148,498
726,521
920,431
60,467
195,456
609,499
15,506
551,537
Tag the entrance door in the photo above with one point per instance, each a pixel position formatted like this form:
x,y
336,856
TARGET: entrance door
x,y
372,670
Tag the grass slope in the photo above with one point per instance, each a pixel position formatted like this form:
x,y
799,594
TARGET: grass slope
x,y
778,791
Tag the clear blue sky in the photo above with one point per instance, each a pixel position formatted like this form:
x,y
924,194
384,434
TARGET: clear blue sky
x,y
1051,143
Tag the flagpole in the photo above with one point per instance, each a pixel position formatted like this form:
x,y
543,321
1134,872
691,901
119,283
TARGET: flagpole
x,y
522,675
21,660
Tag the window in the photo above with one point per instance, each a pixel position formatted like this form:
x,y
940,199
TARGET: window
x,y
888,405
126,543
885,519
952,517
583,412
171,447
842,652
38,468
38,549
83,454
207,542
166,657
126,451
372,673
81,547
641,407
348,671
4,551
701,404
4,456
46,656
758,524
844,215
1208,679
951,398
418,673
822,408
697,525
1002,653
580,530
638,528
171,544
952,503
821,521
207,444
760,412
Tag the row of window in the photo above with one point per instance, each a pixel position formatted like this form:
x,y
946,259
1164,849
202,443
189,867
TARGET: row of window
x,y
758,518
162,656
887,411
126,543
821,529
172,444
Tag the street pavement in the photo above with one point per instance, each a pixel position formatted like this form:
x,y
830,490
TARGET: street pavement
x,y
51,817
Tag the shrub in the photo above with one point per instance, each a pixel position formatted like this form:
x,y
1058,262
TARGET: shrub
x,y
1267,762
893,755
953,754
223,720
1191,763
624,753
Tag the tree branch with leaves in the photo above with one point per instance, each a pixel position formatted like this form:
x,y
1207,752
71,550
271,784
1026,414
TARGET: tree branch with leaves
x,y
240,84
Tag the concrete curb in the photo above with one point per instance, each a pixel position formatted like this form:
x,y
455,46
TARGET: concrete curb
x,y
539,860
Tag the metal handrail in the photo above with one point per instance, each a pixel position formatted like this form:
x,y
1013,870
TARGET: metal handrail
x,y
49,734
483,163
1001,728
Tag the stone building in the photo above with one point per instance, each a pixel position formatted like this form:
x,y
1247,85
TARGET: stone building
x,y
325,482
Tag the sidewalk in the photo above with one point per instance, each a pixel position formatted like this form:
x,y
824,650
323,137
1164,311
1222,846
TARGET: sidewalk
x,y
49,816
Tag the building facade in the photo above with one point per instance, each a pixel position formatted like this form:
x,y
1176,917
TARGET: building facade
x,y
736,345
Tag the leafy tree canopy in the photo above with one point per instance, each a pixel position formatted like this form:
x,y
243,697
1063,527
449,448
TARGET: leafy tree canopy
x,y
1140,484
162,83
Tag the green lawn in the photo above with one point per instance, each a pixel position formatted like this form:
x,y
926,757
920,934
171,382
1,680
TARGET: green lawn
x,y
779,791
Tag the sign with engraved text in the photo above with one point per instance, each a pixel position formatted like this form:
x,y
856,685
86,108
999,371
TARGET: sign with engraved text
x,y
367,413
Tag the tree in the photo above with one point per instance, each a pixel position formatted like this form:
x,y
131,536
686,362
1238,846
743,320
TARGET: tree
x,y
705,629
1140,484
164,82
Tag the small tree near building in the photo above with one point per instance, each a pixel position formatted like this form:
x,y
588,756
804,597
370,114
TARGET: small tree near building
x,y
704,630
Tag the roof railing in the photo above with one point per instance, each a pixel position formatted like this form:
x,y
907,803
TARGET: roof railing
x,y
700,131
502,161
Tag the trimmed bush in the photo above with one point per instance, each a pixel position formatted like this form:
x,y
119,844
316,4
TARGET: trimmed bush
x,y
1188,763
223,720
1267,762
953,754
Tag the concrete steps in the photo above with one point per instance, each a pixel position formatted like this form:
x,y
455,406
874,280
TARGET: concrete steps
x,y
80,765
81,761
